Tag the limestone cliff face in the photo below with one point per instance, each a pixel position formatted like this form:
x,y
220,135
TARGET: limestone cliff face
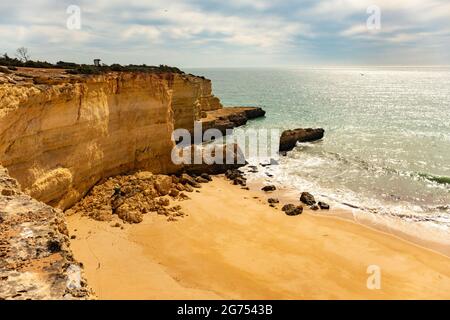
x,y
191,96
35,258
58,138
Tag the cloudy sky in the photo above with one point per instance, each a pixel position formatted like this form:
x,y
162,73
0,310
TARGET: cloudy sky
x,y
231,33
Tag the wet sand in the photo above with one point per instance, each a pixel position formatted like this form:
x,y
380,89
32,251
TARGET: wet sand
x,y
232,245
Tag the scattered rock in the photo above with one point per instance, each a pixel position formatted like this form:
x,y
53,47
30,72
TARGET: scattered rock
x,y
132,196
237,177
314,207
233,174
292,210
164,202
206,176
240,181
128,215
174,192
183,196
163,184
268,188
307,198
73,237
323,205
289,138
273,200
201,180
8,192
188,180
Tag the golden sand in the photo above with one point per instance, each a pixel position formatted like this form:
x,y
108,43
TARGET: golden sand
x,y
232,245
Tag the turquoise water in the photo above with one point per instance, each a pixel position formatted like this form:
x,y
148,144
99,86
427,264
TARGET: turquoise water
x,y
387,133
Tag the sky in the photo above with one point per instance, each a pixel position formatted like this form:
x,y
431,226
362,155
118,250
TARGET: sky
x,y
230,33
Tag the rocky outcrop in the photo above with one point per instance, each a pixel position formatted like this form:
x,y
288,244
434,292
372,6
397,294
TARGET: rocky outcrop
x,y
191,96
61,134
130,197
230,117
35,258
289,138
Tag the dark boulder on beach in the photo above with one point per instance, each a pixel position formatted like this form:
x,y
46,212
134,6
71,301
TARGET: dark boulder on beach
x,y
237,177
233,174
292,210
206,176
240,181
201,180
186,179
307,198
323,205
269,188
289,138
273,200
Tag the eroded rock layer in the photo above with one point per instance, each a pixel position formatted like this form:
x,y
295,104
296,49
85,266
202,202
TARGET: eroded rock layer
x,y
60,134
35,259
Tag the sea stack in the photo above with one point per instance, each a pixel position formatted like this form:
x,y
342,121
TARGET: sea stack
x,y
289,138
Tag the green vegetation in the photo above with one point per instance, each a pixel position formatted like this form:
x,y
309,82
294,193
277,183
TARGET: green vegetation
x,y
75,68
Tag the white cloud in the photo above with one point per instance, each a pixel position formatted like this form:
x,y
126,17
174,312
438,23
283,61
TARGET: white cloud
x,y
153,28
137,31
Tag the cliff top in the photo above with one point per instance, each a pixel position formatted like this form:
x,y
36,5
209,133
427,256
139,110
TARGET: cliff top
x,y
35,76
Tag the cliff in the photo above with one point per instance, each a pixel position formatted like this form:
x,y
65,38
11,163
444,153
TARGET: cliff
x,y
61,134
35,259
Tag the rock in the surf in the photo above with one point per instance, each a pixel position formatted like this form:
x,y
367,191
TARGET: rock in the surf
x,y
269,188
307,198
289,138
323,205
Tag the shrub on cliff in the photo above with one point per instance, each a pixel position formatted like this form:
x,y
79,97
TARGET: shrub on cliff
x,y
67,65
75,68
5,60
85,69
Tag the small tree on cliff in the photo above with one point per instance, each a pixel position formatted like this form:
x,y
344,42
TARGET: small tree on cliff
x,y
22,54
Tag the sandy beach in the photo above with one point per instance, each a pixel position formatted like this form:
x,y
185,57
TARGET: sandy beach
x,y
232,245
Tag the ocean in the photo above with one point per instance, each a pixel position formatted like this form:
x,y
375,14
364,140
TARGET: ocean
x,y
386,148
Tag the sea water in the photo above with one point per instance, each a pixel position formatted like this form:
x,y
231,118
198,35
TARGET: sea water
x,y
386,148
